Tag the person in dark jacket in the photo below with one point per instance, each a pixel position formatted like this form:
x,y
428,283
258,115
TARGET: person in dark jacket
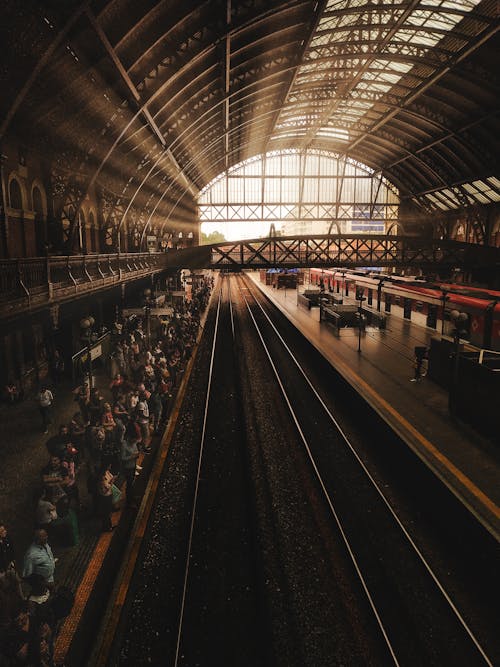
x,y
7,555
155,409
10,597
28,640
128,459
58,444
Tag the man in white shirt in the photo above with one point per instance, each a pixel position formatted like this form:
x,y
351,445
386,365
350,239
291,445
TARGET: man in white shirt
x,y
45,399
142,417
39,558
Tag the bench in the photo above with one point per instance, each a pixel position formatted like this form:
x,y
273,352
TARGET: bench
x,y
304,301
330,315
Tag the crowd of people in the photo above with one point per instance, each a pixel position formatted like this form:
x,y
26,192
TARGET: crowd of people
x,y
111,430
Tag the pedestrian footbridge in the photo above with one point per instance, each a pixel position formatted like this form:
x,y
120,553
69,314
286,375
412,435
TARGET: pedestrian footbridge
x,y
35,282
412,253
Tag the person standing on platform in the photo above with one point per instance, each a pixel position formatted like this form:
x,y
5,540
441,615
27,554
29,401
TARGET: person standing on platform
x,y
7,556
39,558
82,395
105,498
142,417
129,453
45,399
57,367
420,355
155,409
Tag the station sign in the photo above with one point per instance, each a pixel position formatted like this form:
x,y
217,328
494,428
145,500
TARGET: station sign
x,y
95,352
127,312
162,312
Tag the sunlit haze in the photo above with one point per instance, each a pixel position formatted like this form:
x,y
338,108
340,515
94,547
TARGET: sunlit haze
x,y
237,231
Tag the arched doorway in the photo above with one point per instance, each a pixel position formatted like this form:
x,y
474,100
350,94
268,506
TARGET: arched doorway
x,y
15,235
15,195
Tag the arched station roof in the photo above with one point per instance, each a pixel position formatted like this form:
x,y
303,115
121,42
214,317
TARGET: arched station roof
x,y
153,99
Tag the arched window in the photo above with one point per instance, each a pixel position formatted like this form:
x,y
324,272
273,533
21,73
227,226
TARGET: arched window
x,y
15,195
37,202
93,233
82,232
109,236
299,192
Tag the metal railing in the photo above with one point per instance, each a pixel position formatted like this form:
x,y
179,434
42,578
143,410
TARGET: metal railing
x,y
346,251
25,283
35,281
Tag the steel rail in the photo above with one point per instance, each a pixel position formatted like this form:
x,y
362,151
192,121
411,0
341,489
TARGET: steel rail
x,y
345,438
321,482
196,489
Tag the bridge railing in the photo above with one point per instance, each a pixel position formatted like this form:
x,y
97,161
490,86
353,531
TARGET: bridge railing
x,y
356,250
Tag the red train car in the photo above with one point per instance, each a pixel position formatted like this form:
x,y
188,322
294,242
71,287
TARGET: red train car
x,y
425,303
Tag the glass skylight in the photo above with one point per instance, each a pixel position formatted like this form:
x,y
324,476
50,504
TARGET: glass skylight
x,y
360,51
477,192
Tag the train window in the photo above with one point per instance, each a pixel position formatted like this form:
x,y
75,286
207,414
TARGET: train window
x,y
432,316
370,297
387,303
407,309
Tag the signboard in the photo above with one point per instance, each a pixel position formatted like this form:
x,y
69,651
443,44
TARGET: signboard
x,y
127,312
95,352
80,361
162,312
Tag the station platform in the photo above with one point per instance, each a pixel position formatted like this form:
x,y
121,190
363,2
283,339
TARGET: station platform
x,y
79,565
418,412
87,566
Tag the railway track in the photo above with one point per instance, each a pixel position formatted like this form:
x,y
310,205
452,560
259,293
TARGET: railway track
x,y
272,543
418,618
219,597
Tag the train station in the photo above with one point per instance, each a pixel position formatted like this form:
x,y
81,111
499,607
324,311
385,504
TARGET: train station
x,y
249,333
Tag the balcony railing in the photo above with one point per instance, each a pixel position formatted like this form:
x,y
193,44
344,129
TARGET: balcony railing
x,y
31,282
